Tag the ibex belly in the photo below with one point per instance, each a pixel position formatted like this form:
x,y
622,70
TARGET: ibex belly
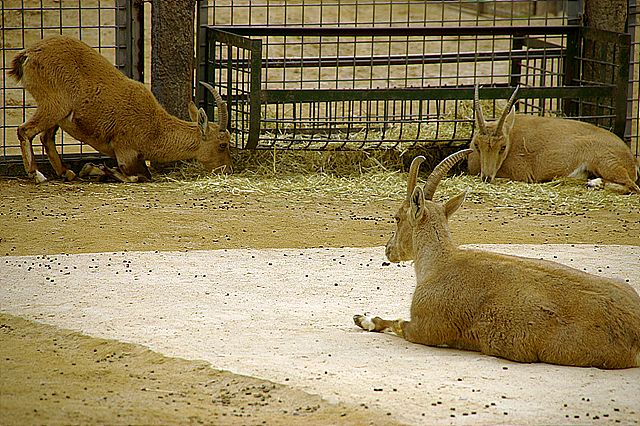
x,y
78,129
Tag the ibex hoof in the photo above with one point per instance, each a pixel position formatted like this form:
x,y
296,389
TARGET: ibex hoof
x,y
90,169
69,175
364,321
38,177
596,183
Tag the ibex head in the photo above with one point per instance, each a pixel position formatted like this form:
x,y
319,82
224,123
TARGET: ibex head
x,y
214,151
400,245
491,140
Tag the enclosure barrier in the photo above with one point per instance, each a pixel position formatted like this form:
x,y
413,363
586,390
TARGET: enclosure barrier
x,y
391,74
395,87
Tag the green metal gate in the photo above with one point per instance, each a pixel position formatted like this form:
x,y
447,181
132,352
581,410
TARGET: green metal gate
x,y
337,100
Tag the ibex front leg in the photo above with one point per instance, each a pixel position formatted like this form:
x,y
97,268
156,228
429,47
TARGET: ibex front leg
x,y
370,323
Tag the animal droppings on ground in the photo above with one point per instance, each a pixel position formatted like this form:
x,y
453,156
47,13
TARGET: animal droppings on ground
x,y
180,302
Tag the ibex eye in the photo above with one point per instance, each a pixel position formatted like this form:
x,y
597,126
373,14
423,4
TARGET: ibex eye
x,y
223,146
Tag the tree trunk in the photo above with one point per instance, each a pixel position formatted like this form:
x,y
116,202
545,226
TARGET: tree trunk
x,y
610,15
172,53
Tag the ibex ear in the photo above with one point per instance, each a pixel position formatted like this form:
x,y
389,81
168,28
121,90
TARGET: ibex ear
x,y
417,205
509,121
454,203
193,111
203,121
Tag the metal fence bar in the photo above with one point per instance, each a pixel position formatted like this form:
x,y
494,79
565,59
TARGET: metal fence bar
x,y
632,128
256,95
308,31
431,93
130,38
621,79
308,99
202,20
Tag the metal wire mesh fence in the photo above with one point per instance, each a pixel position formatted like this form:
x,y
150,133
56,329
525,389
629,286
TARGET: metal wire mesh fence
x,y
356,74
632,132
373,74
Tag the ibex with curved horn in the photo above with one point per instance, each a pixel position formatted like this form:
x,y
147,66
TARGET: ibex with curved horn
x,y
521,309
78,90
531,148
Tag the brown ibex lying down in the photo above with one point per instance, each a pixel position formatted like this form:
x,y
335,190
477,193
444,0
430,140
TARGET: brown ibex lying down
x,y
521,309
531,148
78,90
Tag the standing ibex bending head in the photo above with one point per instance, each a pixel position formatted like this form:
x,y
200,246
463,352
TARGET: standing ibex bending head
x,y
78,90
526,310
530,148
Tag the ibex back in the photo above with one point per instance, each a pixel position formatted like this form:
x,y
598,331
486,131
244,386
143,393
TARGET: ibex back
x,y
78,90
521,309
531,148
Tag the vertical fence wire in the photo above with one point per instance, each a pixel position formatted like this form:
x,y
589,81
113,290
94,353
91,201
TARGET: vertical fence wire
x,y
363,63
632,131
285,64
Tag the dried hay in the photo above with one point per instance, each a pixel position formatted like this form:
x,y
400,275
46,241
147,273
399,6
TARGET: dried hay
x,y
363,175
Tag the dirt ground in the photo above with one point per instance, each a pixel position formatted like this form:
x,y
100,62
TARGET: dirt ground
x,y
55,376
171,216
50,375
95,381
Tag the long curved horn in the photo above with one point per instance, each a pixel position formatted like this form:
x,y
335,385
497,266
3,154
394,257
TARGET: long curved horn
x,y
478,109
222,106
506,110
441,170
413,174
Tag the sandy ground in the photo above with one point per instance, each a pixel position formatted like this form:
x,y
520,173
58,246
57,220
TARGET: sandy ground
x,y
285,316
264,287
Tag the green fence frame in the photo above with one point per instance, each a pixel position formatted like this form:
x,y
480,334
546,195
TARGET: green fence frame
x,y
221,63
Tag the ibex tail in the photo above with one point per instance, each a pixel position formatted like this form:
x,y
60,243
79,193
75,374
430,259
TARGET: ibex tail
x,y
16,65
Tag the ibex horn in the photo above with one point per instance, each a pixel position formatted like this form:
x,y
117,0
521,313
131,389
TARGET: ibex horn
x,y
222,106
413,174
507,109
478,109
441,170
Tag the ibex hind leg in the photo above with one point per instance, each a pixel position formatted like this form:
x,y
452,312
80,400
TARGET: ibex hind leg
x,y
625,186
616,176
47,138
42,121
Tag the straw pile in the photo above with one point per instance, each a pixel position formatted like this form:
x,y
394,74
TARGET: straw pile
x,y
381,175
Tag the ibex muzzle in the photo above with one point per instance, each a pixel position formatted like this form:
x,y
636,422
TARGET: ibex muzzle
x,y
492,139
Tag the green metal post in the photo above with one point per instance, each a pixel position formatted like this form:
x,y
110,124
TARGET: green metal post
x,y
569,107
255,95
202,20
